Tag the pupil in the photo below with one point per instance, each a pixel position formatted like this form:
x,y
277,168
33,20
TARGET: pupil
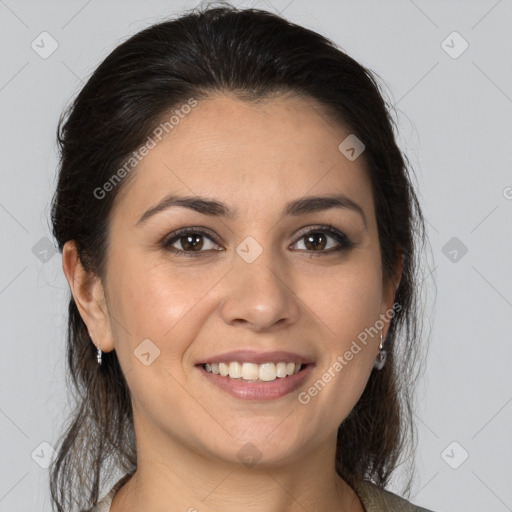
x,y
193,242
315,241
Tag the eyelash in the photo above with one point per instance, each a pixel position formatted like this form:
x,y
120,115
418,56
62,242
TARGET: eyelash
x,y
344,242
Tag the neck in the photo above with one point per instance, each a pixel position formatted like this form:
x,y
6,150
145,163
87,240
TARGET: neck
x,y
179,478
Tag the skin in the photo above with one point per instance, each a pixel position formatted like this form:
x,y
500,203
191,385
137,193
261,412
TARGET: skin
x,y
255,158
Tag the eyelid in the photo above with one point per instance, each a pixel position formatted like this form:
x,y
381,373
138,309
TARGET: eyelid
x,y
191,229
317,227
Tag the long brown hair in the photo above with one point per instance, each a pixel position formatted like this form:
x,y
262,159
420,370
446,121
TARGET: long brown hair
x,y
253,54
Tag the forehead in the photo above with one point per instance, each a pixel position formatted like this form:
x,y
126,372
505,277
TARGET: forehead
x,y
264,153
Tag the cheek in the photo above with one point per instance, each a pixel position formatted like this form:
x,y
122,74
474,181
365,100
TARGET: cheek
x,y
158,302
148,294
348,301
347,305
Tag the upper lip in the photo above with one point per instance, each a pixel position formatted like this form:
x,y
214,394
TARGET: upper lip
x,y
252,356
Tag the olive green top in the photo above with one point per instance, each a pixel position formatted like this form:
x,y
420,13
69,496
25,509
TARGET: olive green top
x,y
373,498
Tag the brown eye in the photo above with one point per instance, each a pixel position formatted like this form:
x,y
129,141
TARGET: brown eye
x,y
190,242
324,241
315,241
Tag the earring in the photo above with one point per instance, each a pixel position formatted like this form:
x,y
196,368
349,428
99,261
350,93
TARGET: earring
x,y
99,352
381,357
98,355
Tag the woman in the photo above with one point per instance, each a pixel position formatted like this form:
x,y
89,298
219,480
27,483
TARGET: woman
x,y
239,234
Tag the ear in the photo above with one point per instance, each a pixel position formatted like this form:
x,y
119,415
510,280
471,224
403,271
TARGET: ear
x,y
89,297
398,271
389,291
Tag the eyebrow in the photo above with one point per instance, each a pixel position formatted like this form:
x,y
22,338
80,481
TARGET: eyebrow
x,y
206,206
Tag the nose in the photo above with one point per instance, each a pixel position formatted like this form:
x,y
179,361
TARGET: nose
x,y
259,295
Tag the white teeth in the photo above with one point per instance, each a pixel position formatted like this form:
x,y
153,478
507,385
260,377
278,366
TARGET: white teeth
x,y
281,370
268,372
223,369
235,370
250,371
265,372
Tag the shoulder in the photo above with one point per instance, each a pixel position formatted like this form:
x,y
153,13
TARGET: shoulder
x,y
377,499
104,504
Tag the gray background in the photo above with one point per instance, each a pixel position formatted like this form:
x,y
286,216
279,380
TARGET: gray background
x,y
455,125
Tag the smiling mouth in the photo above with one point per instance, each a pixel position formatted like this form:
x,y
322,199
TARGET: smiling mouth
x,y
252,372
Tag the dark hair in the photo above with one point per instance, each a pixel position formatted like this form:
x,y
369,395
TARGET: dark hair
x,y
254,55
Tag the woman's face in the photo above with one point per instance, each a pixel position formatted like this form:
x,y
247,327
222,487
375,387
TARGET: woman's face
x,y
267,282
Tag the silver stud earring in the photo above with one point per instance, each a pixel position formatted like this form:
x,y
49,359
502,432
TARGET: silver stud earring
x,y
381,357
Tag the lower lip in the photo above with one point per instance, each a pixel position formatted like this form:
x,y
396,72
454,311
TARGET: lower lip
x,y
259,391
